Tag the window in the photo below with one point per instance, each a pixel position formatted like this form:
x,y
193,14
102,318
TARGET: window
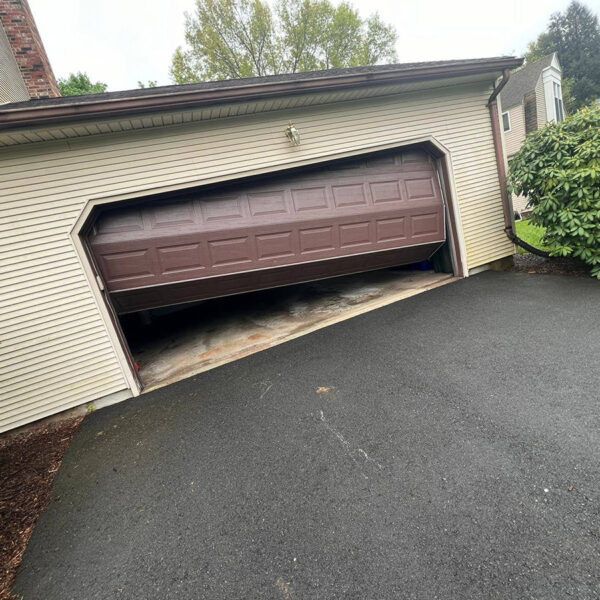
x,y
558,103
506,121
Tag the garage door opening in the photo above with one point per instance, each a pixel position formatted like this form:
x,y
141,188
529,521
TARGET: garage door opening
x,y
173,343
189,277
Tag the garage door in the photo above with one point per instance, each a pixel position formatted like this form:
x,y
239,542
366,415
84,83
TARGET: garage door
x,y
342,217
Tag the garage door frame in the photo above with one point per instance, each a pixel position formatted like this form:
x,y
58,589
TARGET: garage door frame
x,y
82,224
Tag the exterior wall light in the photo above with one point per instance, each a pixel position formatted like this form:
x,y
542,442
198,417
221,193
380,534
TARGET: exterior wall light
x,y
292,134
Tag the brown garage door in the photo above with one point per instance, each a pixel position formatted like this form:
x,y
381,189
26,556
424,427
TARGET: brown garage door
x,y
344,217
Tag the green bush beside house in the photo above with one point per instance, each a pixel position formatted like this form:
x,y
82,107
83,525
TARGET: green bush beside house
x,y
558,169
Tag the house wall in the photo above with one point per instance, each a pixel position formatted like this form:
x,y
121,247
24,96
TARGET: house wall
x,y
12,86
514,138
541,103
28,49
57,348
530,112
549,76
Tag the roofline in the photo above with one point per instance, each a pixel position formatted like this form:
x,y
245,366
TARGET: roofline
x,y
42,115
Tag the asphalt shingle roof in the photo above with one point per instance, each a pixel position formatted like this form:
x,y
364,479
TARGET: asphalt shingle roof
x,y
523,81
237,83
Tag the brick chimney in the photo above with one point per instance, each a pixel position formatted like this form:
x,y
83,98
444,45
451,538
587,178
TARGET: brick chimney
x,y
28,49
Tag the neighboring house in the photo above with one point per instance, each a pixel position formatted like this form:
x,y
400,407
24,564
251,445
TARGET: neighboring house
x,y
131,200
25,70
531,98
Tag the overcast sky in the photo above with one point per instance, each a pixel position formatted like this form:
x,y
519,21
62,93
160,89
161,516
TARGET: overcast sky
x,y
122,41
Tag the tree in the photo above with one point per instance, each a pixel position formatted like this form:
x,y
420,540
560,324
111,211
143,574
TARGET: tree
x,y
575,35
151,84
230,39
78,84
558,169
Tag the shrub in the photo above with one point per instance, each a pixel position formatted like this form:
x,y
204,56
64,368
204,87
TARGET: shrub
x,y
558,169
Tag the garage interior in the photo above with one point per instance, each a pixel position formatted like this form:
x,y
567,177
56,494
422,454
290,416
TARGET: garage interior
x,y
178,344
204,277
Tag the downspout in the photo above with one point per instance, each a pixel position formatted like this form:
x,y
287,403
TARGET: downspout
x,y
492,105
509,219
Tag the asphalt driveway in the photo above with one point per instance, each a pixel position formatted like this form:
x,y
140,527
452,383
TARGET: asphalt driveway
x,y
456,455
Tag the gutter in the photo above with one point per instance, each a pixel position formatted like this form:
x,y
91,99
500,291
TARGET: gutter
x,y
44,114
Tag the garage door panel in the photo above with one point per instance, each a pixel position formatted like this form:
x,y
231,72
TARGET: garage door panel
x,y
181,257
268,203
124,221
171,214
386,191
317,239
372,204
130,268
391,229
230,252
310,199
225,209
424,225
418,188
349,194
197,289
271,246
355,234
247,210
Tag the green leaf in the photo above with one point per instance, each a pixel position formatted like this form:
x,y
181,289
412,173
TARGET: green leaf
x,y
559,174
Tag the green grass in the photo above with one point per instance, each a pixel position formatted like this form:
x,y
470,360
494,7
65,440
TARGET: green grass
x,y
532,234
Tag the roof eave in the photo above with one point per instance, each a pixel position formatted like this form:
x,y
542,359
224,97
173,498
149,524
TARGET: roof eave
x,y
45,115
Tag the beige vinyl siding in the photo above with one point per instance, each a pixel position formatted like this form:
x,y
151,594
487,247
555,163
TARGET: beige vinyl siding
x,y
540,100
48,310
12,86
514,138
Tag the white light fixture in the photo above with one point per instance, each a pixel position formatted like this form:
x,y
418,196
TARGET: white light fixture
x,y
292,134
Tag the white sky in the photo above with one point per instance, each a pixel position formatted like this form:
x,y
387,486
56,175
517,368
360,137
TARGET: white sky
x,y
122,41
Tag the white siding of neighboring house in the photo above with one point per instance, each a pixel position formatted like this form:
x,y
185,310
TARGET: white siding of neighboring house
x,y
514,138
540,100
549,76
545,113
56,350
12,86
544,96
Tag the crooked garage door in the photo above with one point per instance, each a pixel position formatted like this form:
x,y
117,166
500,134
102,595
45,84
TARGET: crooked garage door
x,y
343,217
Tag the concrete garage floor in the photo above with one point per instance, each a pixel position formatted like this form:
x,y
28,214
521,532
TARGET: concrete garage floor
x,y
446,446
204,336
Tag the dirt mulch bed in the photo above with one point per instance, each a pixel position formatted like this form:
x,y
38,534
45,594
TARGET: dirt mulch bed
x,y
28,465
531,263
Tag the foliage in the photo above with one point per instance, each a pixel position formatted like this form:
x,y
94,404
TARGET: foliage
x,y
575,35
149,84
251,38
532,234
558,169
79,84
